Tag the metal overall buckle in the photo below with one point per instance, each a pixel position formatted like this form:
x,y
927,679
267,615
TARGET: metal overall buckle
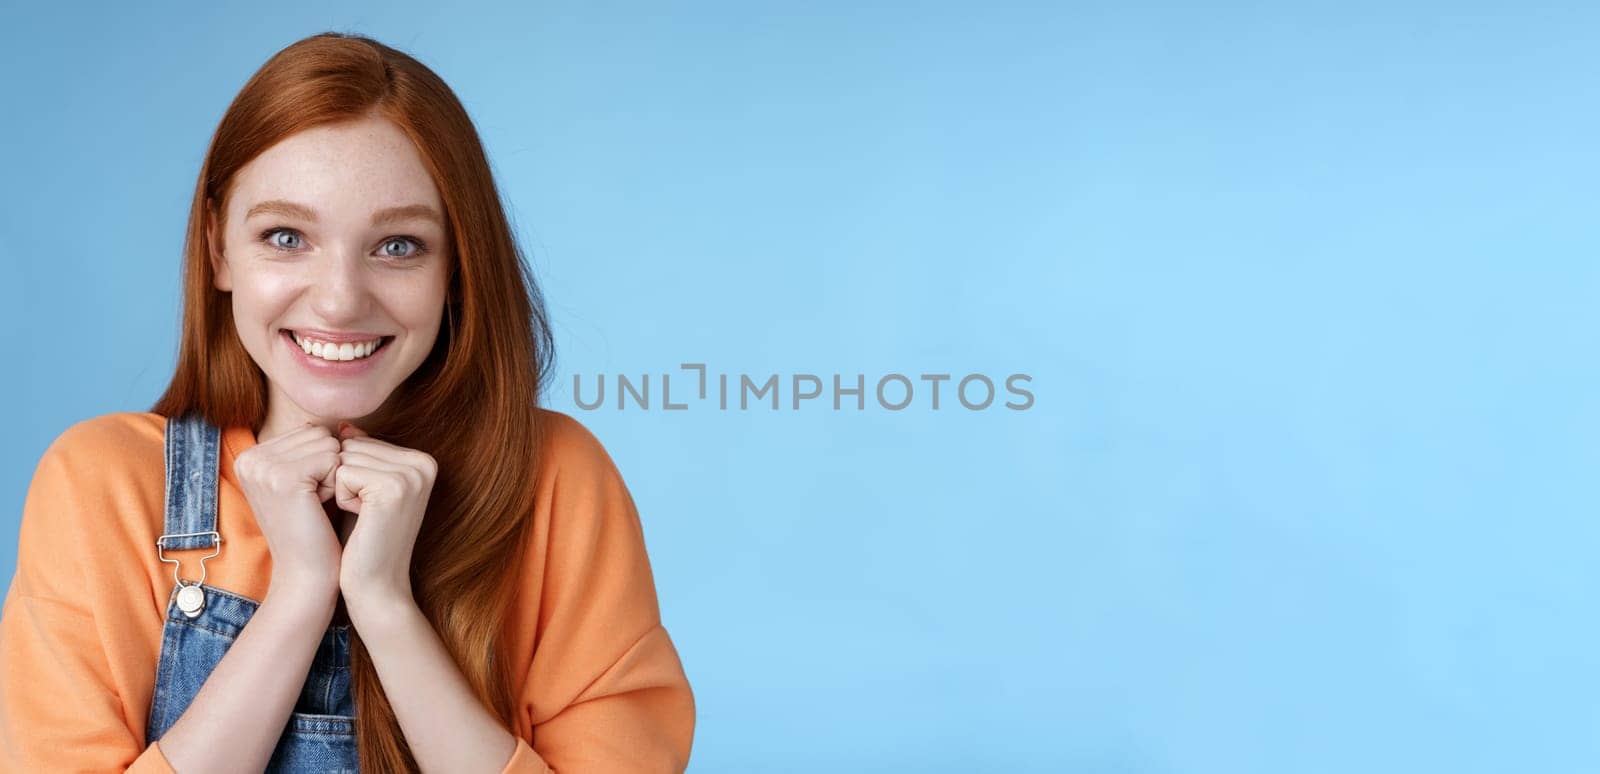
x,y
191,600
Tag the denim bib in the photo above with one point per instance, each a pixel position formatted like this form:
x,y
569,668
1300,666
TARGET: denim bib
x,y
202,622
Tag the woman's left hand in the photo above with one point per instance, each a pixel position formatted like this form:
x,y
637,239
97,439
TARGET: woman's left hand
x,y
387,487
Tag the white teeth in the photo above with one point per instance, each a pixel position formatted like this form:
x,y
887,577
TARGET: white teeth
x,y
336,352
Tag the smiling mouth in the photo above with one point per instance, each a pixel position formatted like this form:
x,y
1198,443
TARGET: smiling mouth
x,y
288,337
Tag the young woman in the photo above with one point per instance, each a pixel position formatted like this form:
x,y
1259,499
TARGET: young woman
x,y
346,537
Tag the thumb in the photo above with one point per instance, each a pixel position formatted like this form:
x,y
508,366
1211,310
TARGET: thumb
x,y
347,430
347,488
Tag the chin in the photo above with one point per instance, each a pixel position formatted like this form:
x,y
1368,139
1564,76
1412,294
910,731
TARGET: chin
x,y
337,407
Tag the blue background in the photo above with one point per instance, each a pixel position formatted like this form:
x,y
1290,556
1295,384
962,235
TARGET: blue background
x,y
1307,293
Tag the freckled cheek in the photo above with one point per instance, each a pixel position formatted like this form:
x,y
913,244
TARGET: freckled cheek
x,y
270,287
417,304
264,296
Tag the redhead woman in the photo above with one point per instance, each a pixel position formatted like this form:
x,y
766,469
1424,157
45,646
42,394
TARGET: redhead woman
x,y
347,537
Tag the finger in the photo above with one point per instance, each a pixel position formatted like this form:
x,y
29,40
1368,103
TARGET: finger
x,y
321,468
371,446
325,472
403,476
348,430
363,459
347,493
298,436
397,455
307,446
350,482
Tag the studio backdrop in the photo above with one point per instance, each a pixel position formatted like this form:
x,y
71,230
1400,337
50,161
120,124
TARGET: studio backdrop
x,y
1045,387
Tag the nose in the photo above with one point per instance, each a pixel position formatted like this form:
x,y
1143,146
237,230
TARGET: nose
x,y
339,288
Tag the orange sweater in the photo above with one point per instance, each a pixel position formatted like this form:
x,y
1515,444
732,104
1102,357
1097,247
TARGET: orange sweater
x,y
600,685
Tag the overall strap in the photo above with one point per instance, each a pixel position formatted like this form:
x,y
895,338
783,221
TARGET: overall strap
x,y
193,450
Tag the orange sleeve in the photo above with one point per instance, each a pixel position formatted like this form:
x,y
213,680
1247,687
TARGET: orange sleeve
x,y
606,691
59,708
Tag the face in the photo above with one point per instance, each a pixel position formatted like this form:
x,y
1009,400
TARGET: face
x,y
334,240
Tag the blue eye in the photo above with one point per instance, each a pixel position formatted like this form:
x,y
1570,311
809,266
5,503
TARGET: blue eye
x,y
417,247
269,235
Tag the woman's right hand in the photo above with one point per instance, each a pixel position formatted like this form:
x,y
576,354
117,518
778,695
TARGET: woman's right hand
x,y
286,479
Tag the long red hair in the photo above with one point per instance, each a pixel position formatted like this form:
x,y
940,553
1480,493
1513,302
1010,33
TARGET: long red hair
x,y
471,404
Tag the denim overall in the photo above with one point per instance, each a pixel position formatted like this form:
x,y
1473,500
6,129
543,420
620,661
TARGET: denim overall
x,y
320,733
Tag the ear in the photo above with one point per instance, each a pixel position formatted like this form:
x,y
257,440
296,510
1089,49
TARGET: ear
x,y
221,279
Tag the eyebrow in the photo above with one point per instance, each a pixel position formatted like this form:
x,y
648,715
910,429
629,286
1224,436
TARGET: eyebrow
x,y
379,218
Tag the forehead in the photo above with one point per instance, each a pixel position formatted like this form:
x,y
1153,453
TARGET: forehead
x,y
343,170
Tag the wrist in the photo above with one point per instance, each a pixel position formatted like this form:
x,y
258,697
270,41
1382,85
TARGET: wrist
x,y
375,610
374,591
305,589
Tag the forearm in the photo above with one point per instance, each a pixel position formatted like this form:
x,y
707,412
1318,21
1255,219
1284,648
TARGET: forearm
x,y
236,719
445,725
